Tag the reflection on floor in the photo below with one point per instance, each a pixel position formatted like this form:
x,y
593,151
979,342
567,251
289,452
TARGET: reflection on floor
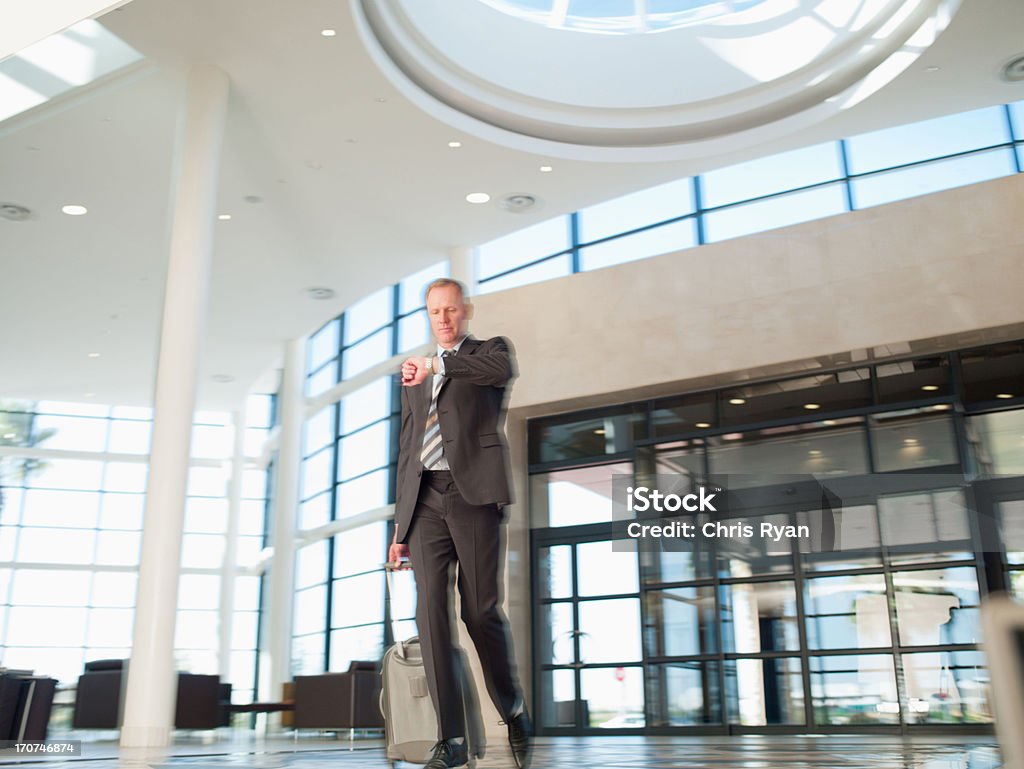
x,y
747,752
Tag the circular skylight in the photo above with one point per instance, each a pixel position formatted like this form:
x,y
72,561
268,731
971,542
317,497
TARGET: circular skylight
x,y
619,16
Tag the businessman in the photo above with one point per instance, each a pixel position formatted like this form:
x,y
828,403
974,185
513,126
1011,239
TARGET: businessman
x,y
452,483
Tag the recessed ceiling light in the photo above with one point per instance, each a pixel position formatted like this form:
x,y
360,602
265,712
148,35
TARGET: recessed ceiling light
x,y
381,100
814,453
224,217
737,401
829,422
1004,396
75,210
929,388
940,407
599,431
546,169
812,406
454,145
477,197
9,436
94,355
910,441
320,292
328,32
703,425
932,68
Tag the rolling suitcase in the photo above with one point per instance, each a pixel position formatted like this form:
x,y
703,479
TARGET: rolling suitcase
x,y
410,722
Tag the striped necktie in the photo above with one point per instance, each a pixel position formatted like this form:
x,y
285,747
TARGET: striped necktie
x,y
432,448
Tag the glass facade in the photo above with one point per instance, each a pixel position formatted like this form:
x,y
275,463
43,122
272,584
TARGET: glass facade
x,y
743,634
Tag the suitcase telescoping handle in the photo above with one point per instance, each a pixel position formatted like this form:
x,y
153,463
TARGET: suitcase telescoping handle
x,y
389,571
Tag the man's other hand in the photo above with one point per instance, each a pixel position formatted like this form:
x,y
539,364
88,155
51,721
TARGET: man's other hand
x,y
396,554
414,371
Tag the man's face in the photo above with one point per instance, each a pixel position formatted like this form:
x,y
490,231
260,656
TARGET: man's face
x,y
448,315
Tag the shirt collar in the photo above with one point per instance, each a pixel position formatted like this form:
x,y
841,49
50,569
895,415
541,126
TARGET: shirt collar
x,y
441,350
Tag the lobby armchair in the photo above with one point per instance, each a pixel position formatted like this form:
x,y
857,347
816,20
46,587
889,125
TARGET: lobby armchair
x,y
349,700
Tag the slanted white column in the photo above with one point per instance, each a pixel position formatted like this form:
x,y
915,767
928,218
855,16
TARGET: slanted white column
x,y
227,572
291,403
463,261
152,681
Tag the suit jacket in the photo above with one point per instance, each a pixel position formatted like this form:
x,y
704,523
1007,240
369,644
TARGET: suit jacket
x,y
470,412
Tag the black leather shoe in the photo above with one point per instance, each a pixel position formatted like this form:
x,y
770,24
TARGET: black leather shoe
x,y
520,730
448,754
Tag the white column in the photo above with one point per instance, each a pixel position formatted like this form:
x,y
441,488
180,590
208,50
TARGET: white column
x,y
291,401
152,682
463,266
227,572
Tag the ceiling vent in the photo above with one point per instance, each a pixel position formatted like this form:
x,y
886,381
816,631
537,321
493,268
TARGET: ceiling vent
x,y
518,202
1013,70
14,213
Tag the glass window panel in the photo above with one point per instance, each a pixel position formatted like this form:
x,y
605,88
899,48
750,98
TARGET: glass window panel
x,y
740,557
358,600
556,637
204,515
366,405
70,433
259,410
683,693
56,546
311,565
776,173
247,593
359,643
927,139
125,476
315,512
556,267
360,550
937,607
46,587
252,513
925,527
82,474
910,440
998,442
113,588
1011,528
45,626
554,572
72,509
947,688
202,551
207,482
764,692
72,409
659,240
762,457
254,484
557,702
217,418
849,612
602,571
403,605
571,497
760,617
242,676
130,437
782,211
255,438
308,655
119,548
310,610
572,437
368,492
680,622
244,626
10,505
992,373
525,245
410,289
363,451
678,561
198,591
367,353
8,541
614,697
319,431
316,473
858,542
323,380
368,315
791,399
854,689
122,511
671,416
610,630
413,331
913,379
110,627
211,442
639,209
939,175
323,345
63,664
195,629
139,413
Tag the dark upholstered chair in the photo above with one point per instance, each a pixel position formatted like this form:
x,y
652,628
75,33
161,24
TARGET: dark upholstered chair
x,y
349,700
201,701
26,702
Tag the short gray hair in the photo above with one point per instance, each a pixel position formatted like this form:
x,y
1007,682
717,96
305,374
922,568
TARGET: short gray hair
x,y
441,283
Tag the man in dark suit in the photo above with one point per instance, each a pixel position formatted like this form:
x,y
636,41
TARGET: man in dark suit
x,y
453,480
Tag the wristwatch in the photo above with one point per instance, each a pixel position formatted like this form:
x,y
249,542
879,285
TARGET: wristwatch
x,y
430,364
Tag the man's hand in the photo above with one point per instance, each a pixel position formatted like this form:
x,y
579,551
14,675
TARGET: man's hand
x,y
414,371
396,553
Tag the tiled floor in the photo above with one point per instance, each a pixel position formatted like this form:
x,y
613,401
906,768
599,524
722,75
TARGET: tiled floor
x,y
748,752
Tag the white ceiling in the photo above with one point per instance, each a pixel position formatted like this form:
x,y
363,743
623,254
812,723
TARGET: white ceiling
x,y
356,192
